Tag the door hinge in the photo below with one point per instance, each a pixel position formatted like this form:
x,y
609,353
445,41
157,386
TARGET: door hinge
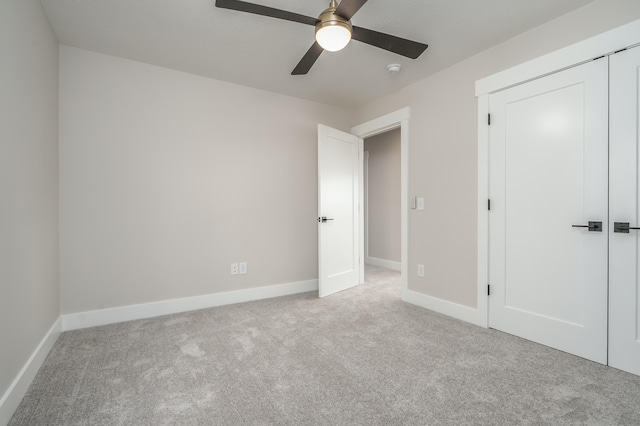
x,y
488,289
489,119
488,204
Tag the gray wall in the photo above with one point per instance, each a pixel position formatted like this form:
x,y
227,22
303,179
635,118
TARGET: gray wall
x,y
443,147
166,178
29,291
383,196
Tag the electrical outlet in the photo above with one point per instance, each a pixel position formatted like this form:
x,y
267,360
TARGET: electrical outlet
x,y
243,268
234,269
421,270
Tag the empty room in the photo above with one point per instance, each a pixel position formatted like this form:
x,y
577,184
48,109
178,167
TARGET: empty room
x,y
279,212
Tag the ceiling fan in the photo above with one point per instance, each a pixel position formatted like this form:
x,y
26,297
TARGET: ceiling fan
x,y
333,30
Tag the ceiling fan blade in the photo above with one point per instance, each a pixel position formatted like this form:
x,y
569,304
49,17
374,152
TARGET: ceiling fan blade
x,y
348,8
401,46
308,60
258,9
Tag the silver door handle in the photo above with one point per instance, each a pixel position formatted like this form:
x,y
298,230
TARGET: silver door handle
x,y
622,227
324,219
593,226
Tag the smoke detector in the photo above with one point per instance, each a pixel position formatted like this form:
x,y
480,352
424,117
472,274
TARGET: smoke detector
x,y
393,68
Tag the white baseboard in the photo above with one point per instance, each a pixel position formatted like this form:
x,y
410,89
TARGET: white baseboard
x,y
12,397
166,307
455,310
389,264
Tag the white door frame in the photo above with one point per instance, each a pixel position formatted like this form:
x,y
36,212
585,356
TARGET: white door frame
x,y
393,120
365,162
603,44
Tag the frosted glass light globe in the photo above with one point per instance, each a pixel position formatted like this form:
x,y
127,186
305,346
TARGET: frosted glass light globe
x,y
333,37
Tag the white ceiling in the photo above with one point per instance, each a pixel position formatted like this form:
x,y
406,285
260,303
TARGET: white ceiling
x,y
257,51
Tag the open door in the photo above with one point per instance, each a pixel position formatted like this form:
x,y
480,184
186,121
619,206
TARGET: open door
x,y
338,210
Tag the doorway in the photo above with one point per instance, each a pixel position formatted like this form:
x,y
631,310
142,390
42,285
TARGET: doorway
x,y
396,120
399,121
382,200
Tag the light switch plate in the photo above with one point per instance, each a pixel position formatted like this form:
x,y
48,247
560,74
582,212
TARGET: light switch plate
x,y
420,203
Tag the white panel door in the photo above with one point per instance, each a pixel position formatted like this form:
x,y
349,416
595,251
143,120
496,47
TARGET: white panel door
x,y
548,172
338,210
624,272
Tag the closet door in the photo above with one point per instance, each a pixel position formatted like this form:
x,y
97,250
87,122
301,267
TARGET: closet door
x,y
549,220
624,273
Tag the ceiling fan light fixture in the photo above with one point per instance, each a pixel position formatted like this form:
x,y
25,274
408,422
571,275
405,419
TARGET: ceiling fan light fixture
x,y
333,32
333,37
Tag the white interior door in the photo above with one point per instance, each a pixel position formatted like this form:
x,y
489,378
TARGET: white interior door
x,y
548,172
624,273
338,210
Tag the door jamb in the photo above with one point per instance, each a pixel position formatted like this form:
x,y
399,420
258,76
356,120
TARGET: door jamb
x,y
483,284
393,120
365,160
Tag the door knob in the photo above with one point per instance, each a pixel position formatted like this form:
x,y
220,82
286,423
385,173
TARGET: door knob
x,y
593,226
324,219
622,227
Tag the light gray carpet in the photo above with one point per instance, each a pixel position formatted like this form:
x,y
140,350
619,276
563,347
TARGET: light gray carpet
x,y
361,357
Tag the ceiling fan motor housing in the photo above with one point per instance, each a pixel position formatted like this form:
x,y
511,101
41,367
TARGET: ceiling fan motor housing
x,y
328,17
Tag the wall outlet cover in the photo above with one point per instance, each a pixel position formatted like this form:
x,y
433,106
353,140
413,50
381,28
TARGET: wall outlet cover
x,y
234,269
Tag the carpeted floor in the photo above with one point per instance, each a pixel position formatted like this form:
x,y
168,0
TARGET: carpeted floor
x,y
360,357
